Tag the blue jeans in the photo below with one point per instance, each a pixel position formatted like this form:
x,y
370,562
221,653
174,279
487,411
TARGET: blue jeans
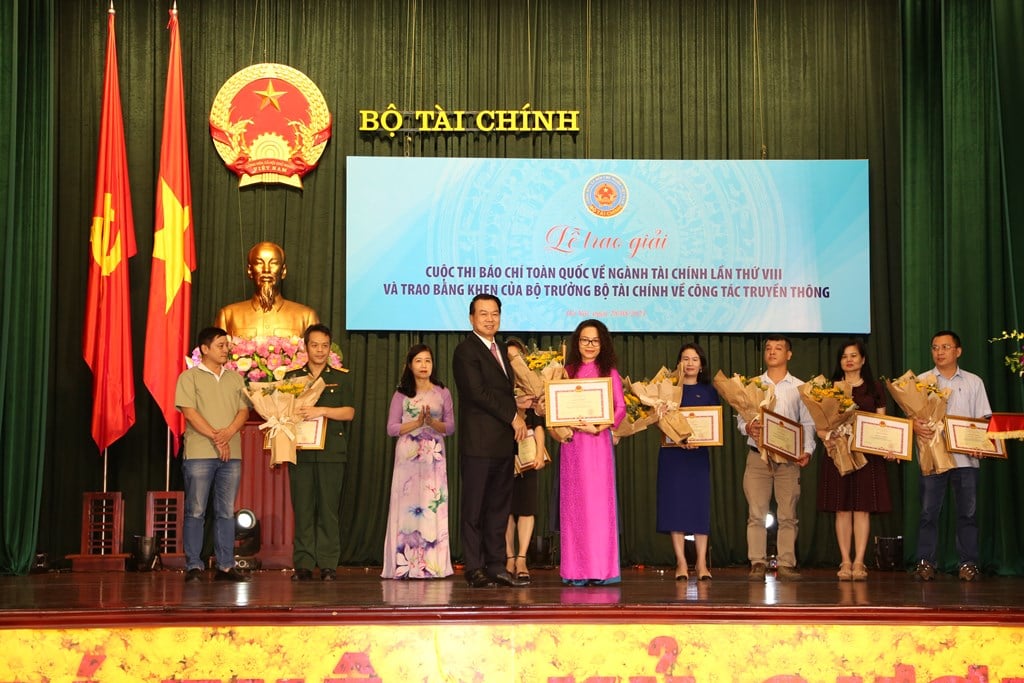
x,y
202,474
964,481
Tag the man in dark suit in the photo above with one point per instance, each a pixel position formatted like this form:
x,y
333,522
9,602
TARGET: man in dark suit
x,y
489,427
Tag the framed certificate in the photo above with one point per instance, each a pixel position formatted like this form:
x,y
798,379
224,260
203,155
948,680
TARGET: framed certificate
x,y
571,401
310,435
882,435
970,435
706,423
781,436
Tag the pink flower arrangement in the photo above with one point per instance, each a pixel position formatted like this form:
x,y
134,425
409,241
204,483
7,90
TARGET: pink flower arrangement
x,y
264,359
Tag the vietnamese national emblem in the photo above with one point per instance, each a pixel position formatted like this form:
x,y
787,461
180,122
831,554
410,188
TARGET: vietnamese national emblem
x,y
270,124
605,195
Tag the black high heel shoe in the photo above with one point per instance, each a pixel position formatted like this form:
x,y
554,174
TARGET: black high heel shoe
x,y
523,575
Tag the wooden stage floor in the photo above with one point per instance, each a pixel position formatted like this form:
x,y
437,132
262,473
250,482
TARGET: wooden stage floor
x,y
646,595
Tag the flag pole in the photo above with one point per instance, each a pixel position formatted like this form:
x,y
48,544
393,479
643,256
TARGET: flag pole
x,y
170,292
106,451
167,461
106,343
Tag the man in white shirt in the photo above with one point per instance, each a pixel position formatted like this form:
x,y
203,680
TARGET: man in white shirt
x,y
760,480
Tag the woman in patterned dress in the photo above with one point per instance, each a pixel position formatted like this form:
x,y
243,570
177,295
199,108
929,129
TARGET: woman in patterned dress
x,y
416,545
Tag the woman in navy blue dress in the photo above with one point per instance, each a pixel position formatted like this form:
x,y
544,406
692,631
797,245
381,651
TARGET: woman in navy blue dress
x,y
684,472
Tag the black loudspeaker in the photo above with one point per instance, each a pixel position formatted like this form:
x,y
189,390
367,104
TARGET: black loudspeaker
x,y
889,553
543,553
146,556
40,564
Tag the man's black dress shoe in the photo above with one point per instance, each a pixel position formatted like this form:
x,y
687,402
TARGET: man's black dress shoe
x,y
302,575
477,578
328,575
503,578
232,575
193,575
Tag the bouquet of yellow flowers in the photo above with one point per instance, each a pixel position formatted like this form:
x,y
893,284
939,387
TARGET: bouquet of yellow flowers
x,y
831,406
922,399
534,370
747,396
663,394
278,403
639,416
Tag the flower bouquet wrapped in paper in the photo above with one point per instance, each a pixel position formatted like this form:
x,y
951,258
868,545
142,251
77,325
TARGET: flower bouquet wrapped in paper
x,y
922,399
747,396
832,407
278,403
639,416
534,370
663,394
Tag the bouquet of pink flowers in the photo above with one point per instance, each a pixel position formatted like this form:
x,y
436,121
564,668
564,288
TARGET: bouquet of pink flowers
x,y
260,359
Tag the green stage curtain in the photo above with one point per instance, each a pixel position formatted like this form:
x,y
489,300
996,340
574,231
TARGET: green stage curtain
x,y
27,282
653,80
960,271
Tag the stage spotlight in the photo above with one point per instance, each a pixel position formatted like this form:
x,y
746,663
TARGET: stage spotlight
x,y
247,539
771,526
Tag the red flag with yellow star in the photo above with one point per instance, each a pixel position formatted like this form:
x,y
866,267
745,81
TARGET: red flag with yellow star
x,y
107,344
174,254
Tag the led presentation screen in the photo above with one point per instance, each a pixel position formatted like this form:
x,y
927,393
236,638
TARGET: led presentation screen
x,y
645,246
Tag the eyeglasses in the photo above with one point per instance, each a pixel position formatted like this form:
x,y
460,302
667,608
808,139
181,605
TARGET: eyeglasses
x,y
587,341
943,347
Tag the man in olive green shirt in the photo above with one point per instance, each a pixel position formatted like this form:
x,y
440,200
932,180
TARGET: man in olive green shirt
x,y
317,475
212,399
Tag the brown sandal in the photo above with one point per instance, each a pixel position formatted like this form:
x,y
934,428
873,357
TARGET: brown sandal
x,y
845,572
860,572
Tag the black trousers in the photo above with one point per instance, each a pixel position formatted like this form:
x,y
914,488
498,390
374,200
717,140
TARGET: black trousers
x,y
486,504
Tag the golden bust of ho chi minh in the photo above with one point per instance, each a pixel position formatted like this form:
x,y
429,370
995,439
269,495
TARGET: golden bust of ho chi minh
x,y
267,313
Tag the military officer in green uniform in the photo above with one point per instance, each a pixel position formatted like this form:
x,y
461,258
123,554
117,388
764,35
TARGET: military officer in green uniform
x,y
317,475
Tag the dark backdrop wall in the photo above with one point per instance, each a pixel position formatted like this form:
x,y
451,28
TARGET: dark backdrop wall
x,y
717,79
